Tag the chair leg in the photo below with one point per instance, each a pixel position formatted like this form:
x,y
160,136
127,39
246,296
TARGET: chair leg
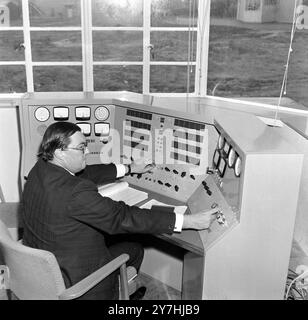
x,y
123,283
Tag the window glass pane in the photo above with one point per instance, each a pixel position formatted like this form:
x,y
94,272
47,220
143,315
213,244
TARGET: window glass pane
x,y
118,78
174,13
57,78
117,13
54,13
11,46
297,79
248,51
56,46
117,45
173,46
10,13
172,79
13,79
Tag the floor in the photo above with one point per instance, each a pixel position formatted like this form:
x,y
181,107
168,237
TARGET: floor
x,y
156,290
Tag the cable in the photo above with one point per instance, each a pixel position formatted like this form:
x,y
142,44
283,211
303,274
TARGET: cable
x,y
292,282
285,76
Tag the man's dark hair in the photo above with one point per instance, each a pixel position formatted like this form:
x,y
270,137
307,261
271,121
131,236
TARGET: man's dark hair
x,y
57,136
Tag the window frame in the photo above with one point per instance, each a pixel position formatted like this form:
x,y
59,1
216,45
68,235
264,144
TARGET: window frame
x,y
87,62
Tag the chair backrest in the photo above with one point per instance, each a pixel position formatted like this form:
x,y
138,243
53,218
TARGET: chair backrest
x,y
33,274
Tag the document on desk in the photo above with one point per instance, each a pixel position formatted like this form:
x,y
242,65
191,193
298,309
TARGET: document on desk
x,y
121,191
153,202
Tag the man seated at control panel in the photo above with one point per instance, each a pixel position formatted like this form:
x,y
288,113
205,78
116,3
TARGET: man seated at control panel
x,y
64,213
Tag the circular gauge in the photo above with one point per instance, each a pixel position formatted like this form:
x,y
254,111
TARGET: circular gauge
x,y
231,157
221,142
101,113
238,167
41,114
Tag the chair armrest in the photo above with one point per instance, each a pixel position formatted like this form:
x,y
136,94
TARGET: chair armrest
x,y
94,278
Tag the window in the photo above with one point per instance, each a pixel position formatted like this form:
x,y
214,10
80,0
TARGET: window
x,y
248,60
173,46
253,5
54,45
155,46
137,43
12,56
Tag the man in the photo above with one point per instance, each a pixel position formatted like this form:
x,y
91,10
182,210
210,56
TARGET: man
x,y
63,212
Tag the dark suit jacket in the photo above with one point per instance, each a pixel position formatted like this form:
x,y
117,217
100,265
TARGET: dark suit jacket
x,y
66,215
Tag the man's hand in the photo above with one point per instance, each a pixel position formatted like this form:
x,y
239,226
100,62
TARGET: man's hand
x,y
200,220
141,166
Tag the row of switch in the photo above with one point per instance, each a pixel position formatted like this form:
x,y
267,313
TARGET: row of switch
x,y
206,188
183,174
167,184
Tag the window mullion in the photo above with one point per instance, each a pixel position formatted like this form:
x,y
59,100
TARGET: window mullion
x,y
87,45
202,47
27,44
146,46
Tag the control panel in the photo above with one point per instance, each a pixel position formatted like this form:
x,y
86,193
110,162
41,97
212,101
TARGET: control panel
x,y
226,168
95,120
233,161
178,147
220,188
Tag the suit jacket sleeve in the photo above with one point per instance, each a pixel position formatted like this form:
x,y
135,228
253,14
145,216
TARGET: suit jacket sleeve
x,y
88,206
99,173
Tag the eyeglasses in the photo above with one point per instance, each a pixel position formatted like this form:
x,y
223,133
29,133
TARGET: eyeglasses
x,y
82,148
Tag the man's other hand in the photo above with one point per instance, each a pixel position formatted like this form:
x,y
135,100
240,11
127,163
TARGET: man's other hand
x,y
141,166
200,220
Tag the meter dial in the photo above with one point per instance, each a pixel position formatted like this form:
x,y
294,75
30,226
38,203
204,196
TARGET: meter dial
x,y
238,167
221,142
101,113
231,157
42,114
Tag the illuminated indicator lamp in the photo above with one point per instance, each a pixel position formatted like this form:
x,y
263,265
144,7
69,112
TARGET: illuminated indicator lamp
x,y
216,158
222,167
85,128
221,142
102,129
226,147
231,157
60,113
238,167
82,113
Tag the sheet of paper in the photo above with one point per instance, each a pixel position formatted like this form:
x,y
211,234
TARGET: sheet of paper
x,y
110,189
153,202
121,191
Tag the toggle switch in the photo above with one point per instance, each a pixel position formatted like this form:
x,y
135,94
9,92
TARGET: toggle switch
x,y
214,205
221,219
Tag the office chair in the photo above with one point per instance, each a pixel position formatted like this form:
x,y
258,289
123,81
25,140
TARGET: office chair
x,y
34,274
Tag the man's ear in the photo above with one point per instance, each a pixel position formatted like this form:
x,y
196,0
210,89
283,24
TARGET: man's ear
x,y
58,154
